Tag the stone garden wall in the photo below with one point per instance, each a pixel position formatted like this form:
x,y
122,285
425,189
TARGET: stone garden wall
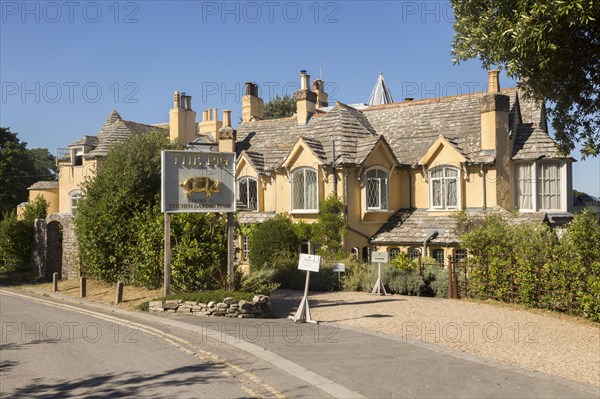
x,y
260,306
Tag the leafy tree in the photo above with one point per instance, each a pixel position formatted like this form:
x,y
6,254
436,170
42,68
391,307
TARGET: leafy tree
x,y
127,184
329,230
552,45
19,169
280,107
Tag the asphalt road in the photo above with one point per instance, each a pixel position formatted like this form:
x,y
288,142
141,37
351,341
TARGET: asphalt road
x,y
52,349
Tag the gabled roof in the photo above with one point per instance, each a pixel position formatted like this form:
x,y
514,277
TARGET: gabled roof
x,y
114,130
410,128
381,93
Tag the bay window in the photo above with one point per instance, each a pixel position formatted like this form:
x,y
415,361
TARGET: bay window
x,y
539,186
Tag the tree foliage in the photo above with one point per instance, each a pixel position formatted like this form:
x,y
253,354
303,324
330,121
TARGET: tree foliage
x,y
20,167
16,236
552,45
120,231
328,231
527,263
280,107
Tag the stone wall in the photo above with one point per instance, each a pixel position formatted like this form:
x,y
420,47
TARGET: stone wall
x,y
51,243
259,307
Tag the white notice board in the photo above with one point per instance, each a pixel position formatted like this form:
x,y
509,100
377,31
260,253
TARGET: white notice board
x,y
309,263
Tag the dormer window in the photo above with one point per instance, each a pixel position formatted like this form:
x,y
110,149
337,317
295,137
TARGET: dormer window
x,y
304,190
248,192
444,188
540,186
377,189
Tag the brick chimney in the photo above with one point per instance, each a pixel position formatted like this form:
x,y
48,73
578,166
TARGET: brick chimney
x,y
227,134
494,108
252,105
306,100
319,90
182,119
210,124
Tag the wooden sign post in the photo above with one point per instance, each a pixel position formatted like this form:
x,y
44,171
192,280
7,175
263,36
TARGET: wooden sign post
x,y
379,257
310,263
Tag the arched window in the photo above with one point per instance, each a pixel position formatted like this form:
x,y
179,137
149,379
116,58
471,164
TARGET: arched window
x,y
355,252
460,255
74,197
304,190
438,255
377,189
414,253
366,254
248,192
444,188
393,253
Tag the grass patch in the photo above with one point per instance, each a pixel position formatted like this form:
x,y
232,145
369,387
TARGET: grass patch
x,y
202,296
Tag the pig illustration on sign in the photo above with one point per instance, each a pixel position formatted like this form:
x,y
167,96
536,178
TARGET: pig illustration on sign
x,y
201,185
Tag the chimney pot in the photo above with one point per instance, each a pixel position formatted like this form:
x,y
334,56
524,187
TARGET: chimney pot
x,y
304,80
226,118
176,99
493,81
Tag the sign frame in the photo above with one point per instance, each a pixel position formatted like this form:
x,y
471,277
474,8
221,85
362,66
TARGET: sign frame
x,y
193,176
309,263
379,257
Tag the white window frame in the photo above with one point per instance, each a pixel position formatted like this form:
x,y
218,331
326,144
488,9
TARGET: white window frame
x,y
248,179
304,171
443,179
381,195
74,197
535,183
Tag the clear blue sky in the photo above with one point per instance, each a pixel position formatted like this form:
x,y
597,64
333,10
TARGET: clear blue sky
x,y
65,65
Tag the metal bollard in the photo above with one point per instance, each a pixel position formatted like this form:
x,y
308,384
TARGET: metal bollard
x,y
54,282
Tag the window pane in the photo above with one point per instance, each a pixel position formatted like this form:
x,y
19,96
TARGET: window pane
x,y
451,172
252,194
436,193
437,173
438,255
393,253
451,194
414,253
372,193
549,186
384,192
311,189
298,190
243,191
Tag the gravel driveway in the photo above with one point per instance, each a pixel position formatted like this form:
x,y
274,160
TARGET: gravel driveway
x,y
532,339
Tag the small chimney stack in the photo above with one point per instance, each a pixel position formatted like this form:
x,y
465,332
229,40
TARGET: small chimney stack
x,y
253,106
319,90
210,124
182,119
306,100
226,118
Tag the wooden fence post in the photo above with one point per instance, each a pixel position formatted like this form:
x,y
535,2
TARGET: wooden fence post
x,y
54,282
420,264
82,287
119,298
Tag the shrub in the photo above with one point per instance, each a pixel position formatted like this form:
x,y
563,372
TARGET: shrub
x,y
261,281
17,236
269,238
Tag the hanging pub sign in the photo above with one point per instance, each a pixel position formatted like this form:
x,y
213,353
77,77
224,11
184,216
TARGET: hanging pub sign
x,y
198,182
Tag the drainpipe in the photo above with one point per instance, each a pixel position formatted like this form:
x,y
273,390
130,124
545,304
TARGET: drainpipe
x,y
335,180
409,191
346,195
484,187
425,241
